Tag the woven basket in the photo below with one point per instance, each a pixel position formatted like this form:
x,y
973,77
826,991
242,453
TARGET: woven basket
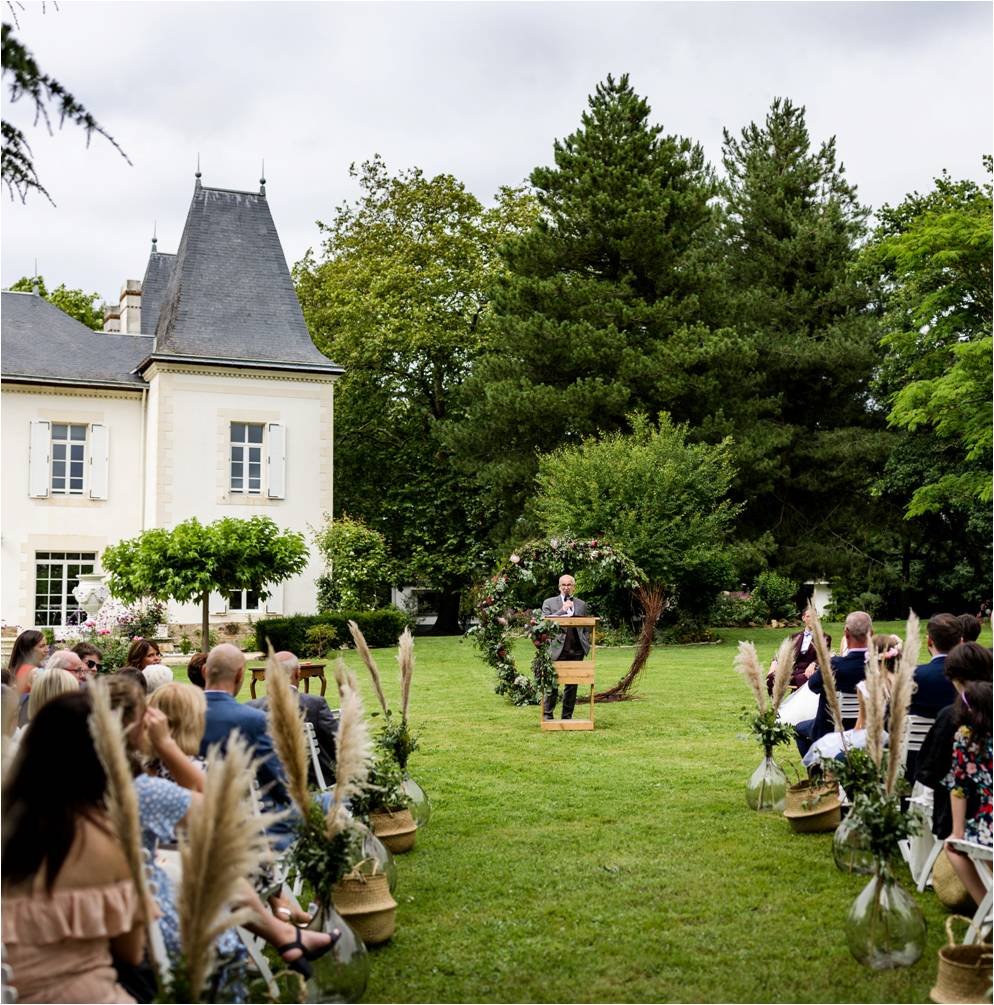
x,y
365,903
395,828
823,812
949,887
964,974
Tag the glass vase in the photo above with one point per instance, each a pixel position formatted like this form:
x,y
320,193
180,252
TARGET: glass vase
x,y
420,804
850,848
767,789
373,848
885,927
341,974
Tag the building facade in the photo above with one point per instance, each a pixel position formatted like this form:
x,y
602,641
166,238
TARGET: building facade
x,y
204,397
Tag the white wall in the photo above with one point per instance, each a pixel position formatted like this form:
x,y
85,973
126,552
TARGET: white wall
x,y
63,523
187,439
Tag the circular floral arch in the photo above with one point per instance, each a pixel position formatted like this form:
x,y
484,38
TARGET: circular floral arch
x,y
498,614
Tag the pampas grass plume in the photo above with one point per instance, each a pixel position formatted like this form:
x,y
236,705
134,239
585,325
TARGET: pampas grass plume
x,y
287,730
406,659
900,699
353,749
223,844
747,664
784,670
367,658
825,665
874,706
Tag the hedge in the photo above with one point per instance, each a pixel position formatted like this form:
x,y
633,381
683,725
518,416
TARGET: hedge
x,y
382,628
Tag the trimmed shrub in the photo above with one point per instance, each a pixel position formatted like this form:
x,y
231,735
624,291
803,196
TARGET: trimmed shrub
x,y
777,593
382,628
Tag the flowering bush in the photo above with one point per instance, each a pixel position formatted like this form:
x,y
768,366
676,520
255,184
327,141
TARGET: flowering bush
x,y
497,614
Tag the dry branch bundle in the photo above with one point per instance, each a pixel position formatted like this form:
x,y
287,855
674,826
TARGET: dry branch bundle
x,y
286,727
653,601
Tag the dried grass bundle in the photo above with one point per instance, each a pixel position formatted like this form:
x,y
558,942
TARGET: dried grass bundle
x,y
110,742
825,665
653,601
747,664
367,658
286,726
874,706
406,659
785,668
353,749
223,845
900,699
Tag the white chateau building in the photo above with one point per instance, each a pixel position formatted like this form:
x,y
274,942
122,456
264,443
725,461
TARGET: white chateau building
x,y
204,397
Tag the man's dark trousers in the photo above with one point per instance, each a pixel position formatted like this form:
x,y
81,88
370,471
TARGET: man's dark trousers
x,y
572,652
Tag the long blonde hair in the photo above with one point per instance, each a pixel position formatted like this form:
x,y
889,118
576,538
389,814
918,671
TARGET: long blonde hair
x,y
185,706
47,685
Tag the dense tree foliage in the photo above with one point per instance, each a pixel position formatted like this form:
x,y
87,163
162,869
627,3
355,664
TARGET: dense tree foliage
x,y
84,307
598,311
357,570
398,298
807,431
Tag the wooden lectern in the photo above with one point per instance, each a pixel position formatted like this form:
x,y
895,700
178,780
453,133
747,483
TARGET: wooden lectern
x,y
575,672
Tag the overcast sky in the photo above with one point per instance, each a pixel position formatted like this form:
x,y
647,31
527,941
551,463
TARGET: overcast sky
x,y
479,90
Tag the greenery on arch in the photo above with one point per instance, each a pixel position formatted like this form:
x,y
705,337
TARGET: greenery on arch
x,y
499,607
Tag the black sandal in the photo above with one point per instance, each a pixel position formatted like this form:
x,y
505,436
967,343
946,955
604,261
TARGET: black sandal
x,y
300,964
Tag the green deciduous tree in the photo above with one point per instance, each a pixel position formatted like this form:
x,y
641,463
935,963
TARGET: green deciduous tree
x,y
661,500
358,571
598,313
398,298
192,560
84,307
810,432
933,255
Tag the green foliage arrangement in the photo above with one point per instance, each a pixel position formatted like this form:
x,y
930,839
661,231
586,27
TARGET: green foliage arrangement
x,y
397,739
768,729
384,789
320,858
380,627
192,560
777,594
358,569
321,640
882,823
856,772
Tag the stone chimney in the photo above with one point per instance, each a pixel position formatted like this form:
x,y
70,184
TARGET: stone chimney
x,y
112,318
131,307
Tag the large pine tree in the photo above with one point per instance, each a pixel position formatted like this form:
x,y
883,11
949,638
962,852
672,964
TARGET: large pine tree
x,y
808,447
598,312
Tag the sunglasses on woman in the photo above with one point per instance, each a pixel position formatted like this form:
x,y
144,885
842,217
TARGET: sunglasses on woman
x,y
94,665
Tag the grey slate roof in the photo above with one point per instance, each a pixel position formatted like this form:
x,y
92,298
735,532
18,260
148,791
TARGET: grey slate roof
x,y
230,297
42,344
157,272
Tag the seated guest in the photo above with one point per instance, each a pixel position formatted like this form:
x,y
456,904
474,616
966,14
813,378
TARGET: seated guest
x,y
185,709
933,690
30,651
969,627
92,657
969,776
847,672
316,712
143,653
163,807
804,655
224,673
135,674
69,904
156,674
47,685
888,649
195,671
61,659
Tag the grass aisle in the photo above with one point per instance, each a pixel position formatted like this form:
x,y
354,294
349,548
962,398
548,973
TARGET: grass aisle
x,y
618,865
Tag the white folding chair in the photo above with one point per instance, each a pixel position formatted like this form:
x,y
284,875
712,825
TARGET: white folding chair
x,y
921,851
8,992
916,728
981,856
849,703
312,743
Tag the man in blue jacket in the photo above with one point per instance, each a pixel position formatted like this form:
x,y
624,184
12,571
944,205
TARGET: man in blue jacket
x,y
933,691
847,670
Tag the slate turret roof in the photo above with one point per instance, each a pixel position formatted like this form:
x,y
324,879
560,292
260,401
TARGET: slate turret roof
x,y
157,273
230,298
42,344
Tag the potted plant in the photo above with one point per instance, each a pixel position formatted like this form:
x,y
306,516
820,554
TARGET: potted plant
x,y
766,789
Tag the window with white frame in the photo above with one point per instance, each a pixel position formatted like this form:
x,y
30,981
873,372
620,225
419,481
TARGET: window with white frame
x,y
56,576
68,458
243,600
246,457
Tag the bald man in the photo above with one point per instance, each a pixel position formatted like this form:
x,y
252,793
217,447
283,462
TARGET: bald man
x,y
223,675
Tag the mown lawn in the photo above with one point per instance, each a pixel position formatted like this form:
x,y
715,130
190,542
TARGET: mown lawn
x,y
617,865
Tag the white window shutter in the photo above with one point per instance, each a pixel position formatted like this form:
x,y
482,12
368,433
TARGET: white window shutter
x,y
218,603
276,458
39,450
99,452
274,602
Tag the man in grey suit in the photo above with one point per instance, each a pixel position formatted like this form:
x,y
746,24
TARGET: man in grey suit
x,y
571,644
316,712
